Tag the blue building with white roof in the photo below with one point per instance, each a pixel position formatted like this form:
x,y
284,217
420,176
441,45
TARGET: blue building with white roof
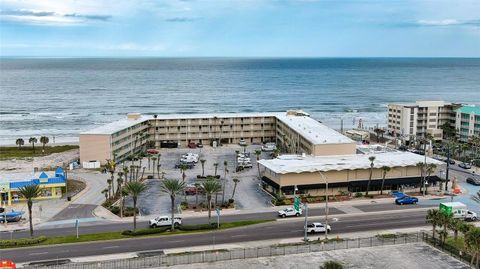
x,y
52,185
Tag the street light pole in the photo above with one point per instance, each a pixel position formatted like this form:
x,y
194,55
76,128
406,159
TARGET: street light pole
x,y
326,204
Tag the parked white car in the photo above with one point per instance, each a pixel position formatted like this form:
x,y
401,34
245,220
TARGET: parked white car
x,y
165,221
289,212
242,142
245,164
317,227
189,157
244,160
269,147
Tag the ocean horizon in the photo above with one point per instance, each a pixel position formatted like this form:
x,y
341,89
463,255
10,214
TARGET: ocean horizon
x,y
63,96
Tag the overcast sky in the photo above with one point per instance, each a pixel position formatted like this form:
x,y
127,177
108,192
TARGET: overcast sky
x,y
281,28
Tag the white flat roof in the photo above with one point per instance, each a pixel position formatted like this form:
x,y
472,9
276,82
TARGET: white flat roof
x,y
424,103
312,130
113,127
297,164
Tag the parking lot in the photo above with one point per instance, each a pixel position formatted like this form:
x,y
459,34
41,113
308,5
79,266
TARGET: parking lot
x,y
248,194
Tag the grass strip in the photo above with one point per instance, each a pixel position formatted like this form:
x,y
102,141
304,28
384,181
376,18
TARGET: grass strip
x,y
27,151
139,234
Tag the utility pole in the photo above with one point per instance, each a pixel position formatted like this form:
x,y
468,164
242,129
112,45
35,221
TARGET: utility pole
x,y
448,167
326,211
305,239
326,204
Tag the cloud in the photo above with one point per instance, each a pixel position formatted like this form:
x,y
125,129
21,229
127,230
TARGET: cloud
x,y
26,16
90,17
181,19
448,22
25,12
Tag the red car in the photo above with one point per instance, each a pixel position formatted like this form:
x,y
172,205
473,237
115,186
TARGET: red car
x,y
192,145
192,190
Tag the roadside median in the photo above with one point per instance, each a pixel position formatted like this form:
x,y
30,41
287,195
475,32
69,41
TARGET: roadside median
x,y
158,232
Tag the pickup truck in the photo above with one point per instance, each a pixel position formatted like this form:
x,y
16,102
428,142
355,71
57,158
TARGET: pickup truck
x,y
165,221
289,212
317,227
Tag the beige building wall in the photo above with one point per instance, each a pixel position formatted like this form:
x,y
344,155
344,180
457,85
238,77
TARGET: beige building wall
x,y
308,178
95,147
335,149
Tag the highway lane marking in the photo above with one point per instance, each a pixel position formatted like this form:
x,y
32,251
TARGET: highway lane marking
x,y
377,223
239,235
38,253
176,241
110,247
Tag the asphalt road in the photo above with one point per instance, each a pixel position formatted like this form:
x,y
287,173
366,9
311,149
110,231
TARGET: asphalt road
x,y
289,228
110,227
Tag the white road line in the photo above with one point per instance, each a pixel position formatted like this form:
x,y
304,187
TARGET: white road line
x,y
239,235
176,241
38,253
377,223
111,247
296,231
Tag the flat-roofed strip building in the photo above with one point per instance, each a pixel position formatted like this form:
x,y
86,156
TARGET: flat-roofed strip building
x,y
343,172
295,130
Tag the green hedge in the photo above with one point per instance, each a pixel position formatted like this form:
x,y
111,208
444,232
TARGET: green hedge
x,y
145,231
198,227
22,241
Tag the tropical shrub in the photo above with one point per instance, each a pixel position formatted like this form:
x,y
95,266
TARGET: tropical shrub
x,y
22,241
145,231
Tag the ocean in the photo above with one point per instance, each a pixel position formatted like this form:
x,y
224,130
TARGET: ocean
x,y
60,97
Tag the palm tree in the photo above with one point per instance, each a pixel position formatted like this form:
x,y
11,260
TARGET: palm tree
x,y
210,186
444,220
29,192
225,171
429,170
385,170
215,165
202,162
125,172
109,182
257,154
123,194
119,183
44,140
421,166
134,189
455,226
197,187
32,140
472,244
183,168
434,219
20,143
235,182
172,187
111,166
371,159
105,192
